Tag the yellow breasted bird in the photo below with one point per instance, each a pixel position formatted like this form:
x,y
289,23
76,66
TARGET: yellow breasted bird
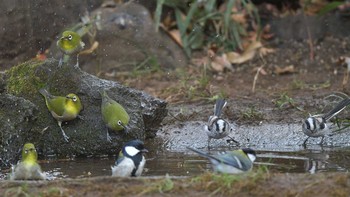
x,y
62,108
28,168
70,44
113,114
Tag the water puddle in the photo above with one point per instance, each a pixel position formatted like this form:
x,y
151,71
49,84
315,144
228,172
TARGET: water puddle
x,y
313,160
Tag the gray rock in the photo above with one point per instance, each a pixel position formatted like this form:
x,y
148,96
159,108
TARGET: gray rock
x,y
88,133
127,39
17,116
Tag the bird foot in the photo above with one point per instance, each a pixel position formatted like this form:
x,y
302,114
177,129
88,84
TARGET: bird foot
x,y
109,139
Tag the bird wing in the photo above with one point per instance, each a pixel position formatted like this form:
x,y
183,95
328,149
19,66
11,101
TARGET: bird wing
x,y
229,158
109,110
237,160
337,109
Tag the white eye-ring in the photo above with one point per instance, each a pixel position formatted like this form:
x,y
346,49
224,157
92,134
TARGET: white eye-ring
x,y
70,37
120,123
74,98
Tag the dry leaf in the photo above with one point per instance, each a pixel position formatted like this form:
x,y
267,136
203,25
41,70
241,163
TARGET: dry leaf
x,y
264,51
175,34
93,47
222,62
286,70
247,55
217,67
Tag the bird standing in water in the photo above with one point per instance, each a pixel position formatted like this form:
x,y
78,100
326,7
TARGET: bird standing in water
x,y
218,127
231,162
130,160
28,168
316,126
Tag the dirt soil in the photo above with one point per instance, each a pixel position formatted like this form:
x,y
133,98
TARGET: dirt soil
x,y
253,184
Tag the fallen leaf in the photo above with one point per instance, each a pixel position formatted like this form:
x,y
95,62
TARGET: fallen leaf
x,y
247,55
175,34
286,70
264,51
93,47
220,63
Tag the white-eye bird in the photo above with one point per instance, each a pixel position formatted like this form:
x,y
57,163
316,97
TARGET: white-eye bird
x,y
113,114
130,162
28,168
62,108
232,162
218,127
316,126
70,44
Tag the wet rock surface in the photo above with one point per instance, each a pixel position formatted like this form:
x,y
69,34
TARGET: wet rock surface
x,y
88,132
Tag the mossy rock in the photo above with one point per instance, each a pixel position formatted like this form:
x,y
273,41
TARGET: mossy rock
x,y
87,133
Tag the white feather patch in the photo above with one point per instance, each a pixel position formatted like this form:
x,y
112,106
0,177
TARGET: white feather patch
x,y
132,151
251,157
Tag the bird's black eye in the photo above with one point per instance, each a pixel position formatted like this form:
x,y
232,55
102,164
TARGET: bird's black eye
x,y
74,98
26,151
70,37
120,123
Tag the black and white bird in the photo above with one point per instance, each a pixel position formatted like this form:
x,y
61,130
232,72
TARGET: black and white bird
x,y
232,162
316,126
217,127
130,162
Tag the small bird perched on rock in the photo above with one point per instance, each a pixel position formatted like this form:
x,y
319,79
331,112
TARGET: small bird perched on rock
x,y
113,114
232,162
130,162
28,168
217,127
62,108
70,44
316,126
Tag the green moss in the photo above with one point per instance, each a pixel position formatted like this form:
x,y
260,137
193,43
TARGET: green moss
x,y
21,79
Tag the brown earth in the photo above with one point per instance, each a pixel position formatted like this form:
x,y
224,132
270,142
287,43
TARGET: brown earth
x,y
251,184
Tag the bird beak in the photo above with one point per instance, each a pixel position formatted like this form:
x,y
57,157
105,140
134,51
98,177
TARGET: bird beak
x,y
144,150
126,128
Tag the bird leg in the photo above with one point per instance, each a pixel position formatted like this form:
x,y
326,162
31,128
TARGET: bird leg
x,y
322,140
109,139
66,138
304,144
209,143
77,64
233,140
60,62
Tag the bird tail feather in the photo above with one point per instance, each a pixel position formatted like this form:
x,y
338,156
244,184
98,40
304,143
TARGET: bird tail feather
x,y
337,109
219,105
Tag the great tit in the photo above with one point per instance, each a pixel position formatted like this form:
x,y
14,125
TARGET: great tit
x,y
113,114
28,168
217,127
232,162
130,162
62,108
316,126
70,44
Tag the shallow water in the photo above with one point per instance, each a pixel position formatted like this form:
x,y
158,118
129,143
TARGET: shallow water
x,y
313,160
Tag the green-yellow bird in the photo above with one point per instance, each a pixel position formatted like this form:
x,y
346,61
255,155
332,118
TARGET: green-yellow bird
x,y
62,108
113,114
28,168
70,44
